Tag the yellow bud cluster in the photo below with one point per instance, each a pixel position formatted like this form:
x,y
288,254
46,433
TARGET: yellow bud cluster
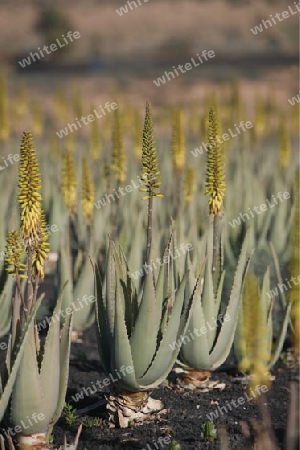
x,y
29,183
215,173
178,141
69,183
88,192
118,151
15,254
33,226
150,173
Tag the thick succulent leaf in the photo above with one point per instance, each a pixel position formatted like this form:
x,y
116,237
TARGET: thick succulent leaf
x,y
143,340
50,367
121,354
6,393
219,292
168,350
195,349
177,327
209,303
164,286
6,306
265,228
282,295
129,292
84,317
240,344
226,335
65,346
110,285
264,298
281,336
65,273
27,396
104,337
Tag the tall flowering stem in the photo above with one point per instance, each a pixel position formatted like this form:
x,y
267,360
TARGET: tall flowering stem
x,y
150,173
27,248
69,183
215,178
33,230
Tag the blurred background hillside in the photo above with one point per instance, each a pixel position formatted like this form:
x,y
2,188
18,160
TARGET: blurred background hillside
x,y
127,52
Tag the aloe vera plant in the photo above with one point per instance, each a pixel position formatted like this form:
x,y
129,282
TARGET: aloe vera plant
x,y
135,327
135,331
208,348
30,366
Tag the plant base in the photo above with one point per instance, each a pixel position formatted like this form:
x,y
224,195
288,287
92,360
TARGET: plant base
x,y
129,408
33,442
196,378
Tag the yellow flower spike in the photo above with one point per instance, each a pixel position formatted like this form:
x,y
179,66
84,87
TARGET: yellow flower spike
x,y
29,184
14,254
34,234
150,172
215,173
254,341
284,145
88,192
189,184
69,183
118,150
41,249
178,141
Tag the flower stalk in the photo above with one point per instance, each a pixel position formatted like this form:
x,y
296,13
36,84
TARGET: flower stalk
x,y
150,173
215,179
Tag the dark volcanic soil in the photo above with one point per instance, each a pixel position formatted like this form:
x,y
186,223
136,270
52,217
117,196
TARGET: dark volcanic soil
x,y
186,410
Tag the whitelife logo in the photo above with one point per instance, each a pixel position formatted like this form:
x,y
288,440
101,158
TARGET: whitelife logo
x,y
90,118
53,47
188,66
87,391
265,24
225,137
35,417
9,160
124,9
221,410
258,209
294,100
